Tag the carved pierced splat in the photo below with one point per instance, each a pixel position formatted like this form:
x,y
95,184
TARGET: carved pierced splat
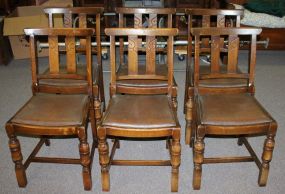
x,y
206,21
152,21
137,20
67,19
221,21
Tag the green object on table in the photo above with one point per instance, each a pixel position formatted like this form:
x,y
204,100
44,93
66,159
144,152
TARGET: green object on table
x,y
272,7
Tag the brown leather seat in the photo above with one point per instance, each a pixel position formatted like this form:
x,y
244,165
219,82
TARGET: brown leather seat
x,y
139,111
231,109
53,110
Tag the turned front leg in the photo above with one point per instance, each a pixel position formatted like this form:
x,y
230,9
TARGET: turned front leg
x,y
199,147
175,159
104,158
17,157
85,160
266,158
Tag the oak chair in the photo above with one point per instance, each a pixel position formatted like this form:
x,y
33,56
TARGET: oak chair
x,y
136,114
205,18
55,111
83,17
145,18
230,111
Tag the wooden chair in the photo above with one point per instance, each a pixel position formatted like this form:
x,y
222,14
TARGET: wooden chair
x,y
83,17
204,18
55,111
230,111
136,114
145,18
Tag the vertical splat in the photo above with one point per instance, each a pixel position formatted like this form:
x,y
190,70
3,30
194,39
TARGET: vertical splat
x,y
233,49
67,22
206,21
70,54
82,20
150,54
137,20
150,46
82,24
221,21
133,55
215,54
53,54
152,21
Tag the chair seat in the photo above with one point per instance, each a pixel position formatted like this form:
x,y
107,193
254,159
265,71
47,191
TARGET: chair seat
x,y
140,112
53,110
231,109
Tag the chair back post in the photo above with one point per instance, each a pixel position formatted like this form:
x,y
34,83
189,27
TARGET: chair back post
x,y
170,64
112,64
89,66
34,63
252,61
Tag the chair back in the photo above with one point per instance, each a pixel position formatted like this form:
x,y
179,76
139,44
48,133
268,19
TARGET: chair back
x,y
81,81
151,47
211,18
145,17
214,17
79,17
232,35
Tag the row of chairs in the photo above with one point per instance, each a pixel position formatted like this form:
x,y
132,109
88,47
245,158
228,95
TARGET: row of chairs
x,y
219,97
